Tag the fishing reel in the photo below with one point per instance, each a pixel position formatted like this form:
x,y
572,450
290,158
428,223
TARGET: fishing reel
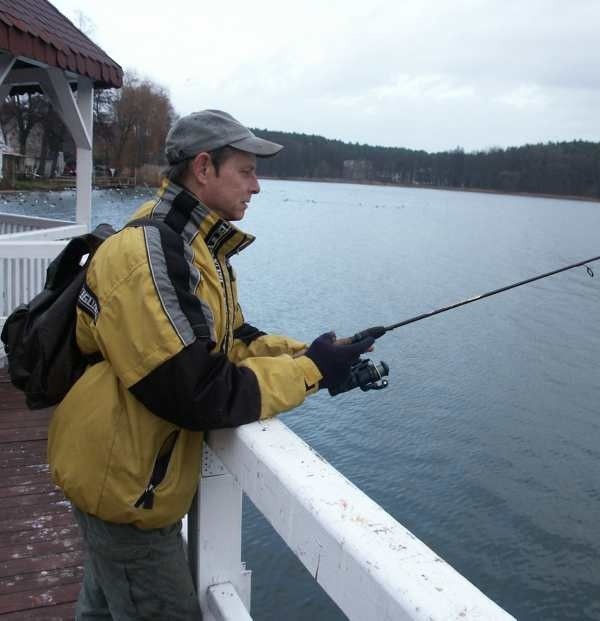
x,y
366,375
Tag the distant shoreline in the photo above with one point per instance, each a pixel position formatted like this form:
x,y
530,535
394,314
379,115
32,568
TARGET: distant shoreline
x,y
589,199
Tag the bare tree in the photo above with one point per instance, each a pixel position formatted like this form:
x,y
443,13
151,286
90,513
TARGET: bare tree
x,y
24,112
132,123
53,135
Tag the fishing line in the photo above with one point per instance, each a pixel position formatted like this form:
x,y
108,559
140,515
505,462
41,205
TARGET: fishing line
x,y
368,375
378,331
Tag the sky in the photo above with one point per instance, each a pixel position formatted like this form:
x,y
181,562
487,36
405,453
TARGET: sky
x,y
420,74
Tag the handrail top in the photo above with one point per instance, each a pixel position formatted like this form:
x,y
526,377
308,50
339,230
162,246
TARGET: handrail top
x,y
14,218
343,535
31,249
56,232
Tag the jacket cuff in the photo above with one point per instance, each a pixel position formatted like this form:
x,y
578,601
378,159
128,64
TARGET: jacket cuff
x,y
312,375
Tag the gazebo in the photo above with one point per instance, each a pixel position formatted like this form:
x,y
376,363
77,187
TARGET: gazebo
x,y
40,49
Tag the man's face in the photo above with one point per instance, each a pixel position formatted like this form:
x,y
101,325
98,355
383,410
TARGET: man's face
x,y
229,192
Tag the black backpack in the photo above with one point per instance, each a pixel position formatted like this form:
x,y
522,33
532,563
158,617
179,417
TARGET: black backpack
x,y
39,337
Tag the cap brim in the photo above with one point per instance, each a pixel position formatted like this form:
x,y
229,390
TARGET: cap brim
x,y
259,146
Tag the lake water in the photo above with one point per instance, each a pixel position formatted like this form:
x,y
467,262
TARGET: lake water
x,y
486,445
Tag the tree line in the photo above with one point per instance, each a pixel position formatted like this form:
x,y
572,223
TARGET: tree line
x,y
563,168
130,126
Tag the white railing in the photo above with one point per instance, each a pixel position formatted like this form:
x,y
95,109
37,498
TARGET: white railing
x,y
368,563
27,245
14,223
23,267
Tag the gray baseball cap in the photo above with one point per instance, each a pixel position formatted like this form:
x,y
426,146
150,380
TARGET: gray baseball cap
x,y
211,129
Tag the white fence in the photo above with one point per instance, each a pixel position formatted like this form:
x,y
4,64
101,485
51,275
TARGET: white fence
x,y
368,563
23,270
27,245
14,223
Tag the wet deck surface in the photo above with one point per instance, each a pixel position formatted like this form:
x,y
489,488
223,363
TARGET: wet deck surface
x,y
40,548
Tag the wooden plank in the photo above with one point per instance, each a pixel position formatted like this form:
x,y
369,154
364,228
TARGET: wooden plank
x,y
27,447
51,494
63,526
51,520
14,403
57,545
16,463
42,580
39,598
35,564
16,514
32,449
48,613
21,459
26,489
41,551
10,394
17,418
23,476
22,435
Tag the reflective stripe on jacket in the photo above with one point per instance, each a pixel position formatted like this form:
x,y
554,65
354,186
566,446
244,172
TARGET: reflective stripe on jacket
x,y
179,359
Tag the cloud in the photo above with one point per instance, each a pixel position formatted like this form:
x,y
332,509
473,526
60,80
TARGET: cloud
x,y
428,75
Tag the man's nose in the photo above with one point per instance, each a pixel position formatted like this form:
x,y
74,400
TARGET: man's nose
x,y
255,186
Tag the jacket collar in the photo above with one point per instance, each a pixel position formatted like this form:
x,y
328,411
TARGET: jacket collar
x,y
187,215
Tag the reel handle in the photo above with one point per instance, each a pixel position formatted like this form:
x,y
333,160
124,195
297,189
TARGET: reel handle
x,y
366,375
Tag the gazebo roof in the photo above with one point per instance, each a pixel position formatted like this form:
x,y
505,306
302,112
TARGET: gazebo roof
x,y
34,29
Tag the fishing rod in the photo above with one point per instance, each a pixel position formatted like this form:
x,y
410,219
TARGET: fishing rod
x,y
368,375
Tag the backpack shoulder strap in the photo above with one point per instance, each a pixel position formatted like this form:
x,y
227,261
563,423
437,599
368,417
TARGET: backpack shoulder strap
x,y
68,262
159,224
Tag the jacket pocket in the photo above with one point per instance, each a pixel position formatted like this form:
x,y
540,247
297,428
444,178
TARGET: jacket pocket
x,y
159,471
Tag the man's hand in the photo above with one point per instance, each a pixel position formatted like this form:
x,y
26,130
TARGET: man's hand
x,y
334,358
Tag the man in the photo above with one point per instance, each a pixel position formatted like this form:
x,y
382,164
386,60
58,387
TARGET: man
x,y
178,359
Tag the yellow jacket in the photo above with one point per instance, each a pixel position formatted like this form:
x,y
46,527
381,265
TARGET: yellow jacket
x,y
161,307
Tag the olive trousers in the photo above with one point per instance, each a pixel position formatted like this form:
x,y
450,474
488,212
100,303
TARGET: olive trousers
x,y
132,574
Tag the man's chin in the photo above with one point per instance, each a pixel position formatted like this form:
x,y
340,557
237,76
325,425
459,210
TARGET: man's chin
x,y
236,217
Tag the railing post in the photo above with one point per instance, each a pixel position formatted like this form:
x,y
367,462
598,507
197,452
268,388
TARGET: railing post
x,y
85,99
216,531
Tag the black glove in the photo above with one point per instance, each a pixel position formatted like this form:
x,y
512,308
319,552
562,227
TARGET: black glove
x,y
334,361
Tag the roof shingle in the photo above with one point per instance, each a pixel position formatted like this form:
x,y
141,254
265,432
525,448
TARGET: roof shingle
x,y
36,29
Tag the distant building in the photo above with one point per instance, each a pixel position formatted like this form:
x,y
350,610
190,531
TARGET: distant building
x,y
11,161
28,164
358,169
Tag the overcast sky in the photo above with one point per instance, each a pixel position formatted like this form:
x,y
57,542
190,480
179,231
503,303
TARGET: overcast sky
x,y
422,74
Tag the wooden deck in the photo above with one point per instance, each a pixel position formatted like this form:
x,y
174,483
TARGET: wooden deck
x,y
40,549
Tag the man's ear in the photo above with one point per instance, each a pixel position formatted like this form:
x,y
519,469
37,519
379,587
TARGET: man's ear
x,y
201,164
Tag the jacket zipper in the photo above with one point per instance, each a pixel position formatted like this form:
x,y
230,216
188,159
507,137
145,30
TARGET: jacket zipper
x,y
220,269
228,288
159,470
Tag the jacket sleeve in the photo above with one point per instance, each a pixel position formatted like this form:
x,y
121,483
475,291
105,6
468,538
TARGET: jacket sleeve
x,y
159,339
251,342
